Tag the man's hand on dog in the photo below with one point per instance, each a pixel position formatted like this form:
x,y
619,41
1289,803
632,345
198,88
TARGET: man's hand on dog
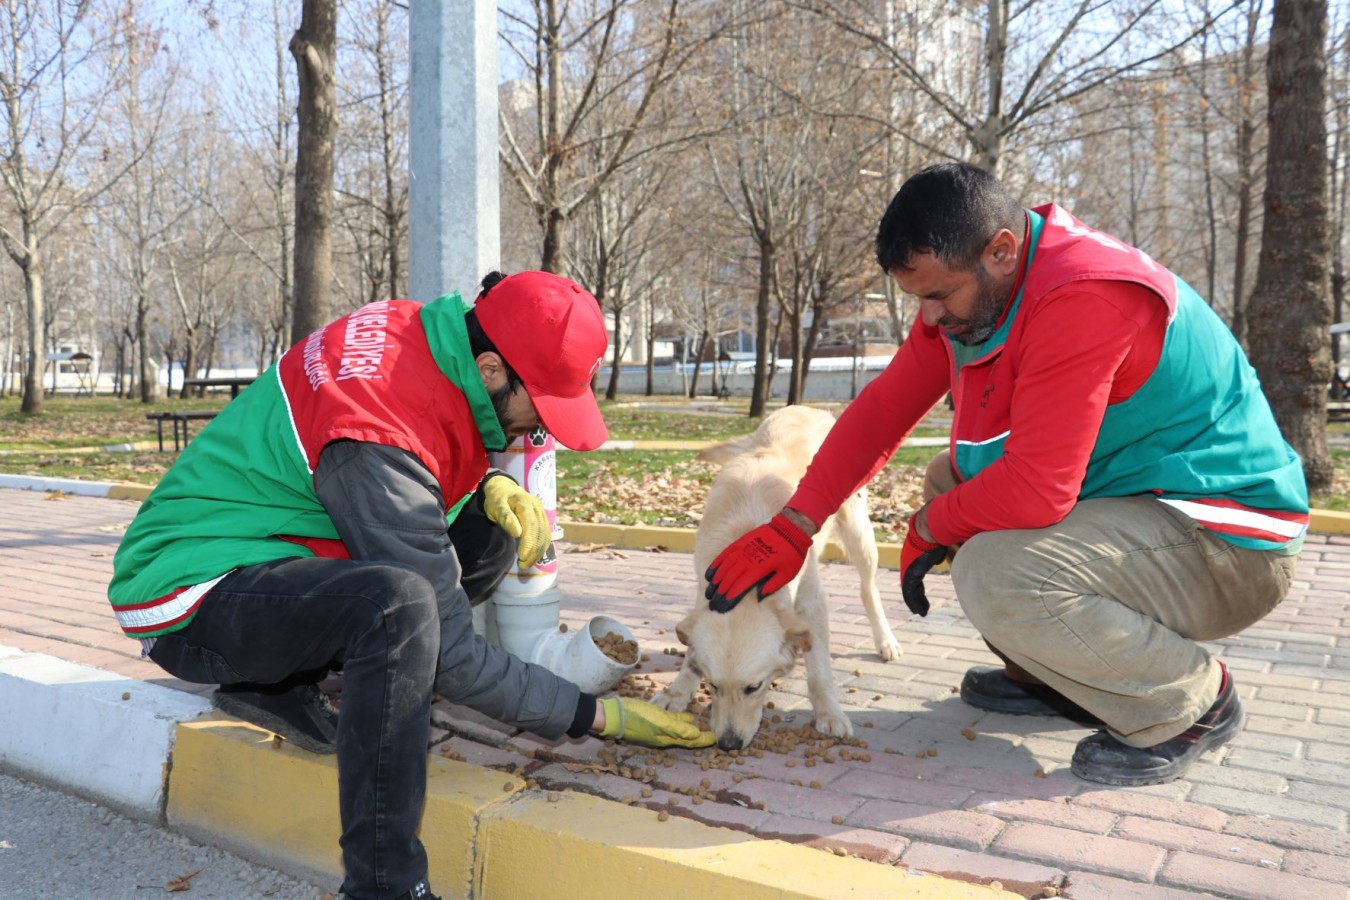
x,y
917,556
767,558
645,723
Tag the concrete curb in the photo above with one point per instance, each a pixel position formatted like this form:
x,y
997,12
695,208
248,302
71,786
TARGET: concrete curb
x,y
107,737
489,835
164,756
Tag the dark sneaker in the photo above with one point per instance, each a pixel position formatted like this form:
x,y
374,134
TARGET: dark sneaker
x,y
1100,757
302,714
419,891
990,688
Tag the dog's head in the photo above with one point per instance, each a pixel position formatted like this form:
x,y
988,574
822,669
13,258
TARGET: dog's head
x,y
738,654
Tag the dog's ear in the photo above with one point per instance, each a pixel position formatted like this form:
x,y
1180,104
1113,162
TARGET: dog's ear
x,y
686,625
796,633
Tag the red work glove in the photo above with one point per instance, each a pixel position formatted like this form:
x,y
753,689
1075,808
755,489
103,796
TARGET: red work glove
x,y
766,557
917,556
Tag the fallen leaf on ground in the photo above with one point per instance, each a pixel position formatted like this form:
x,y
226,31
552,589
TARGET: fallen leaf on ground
x,y
180,883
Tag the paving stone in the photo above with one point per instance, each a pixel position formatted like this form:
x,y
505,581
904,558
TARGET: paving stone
x,y
1095,886
1232,879
1322,866
1249,803
1027,879
971,831
1060,814
1198,840
876,846
1334,842
1239,776
1068,849
1156,808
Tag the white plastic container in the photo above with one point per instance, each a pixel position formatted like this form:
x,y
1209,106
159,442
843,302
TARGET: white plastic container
x,y
523,615
527,625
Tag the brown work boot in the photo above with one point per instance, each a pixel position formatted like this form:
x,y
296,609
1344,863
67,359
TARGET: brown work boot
x,y
1100,757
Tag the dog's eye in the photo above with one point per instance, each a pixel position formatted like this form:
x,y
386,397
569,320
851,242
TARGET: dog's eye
x,y
753,689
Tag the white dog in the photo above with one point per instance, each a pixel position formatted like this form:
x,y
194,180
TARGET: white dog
x,y
739,653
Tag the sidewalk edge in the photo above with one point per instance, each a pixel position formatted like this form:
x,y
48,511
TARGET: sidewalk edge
x,y
489,835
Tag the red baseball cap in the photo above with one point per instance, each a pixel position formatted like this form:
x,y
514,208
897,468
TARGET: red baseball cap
x,y
552,333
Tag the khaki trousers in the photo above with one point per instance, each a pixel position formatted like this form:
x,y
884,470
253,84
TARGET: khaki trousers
x,y
1106,606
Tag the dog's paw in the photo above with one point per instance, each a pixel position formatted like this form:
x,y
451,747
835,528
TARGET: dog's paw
x,y
889,651
671,702
834,724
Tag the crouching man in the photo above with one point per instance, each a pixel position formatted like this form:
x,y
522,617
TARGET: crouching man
x,y
341,514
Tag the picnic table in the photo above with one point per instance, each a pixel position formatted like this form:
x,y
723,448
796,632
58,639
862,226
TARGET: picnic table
x,y
179,419
234,383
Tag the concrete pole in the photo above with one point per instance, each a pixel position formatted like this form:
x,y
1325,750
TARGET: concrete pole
x,y
454,216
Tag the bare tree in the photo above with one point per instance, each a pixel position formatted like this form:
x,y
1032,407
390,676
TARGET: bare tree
x,y
772,162
314,47
612,55
138,212
371,149
57,71
1031,57
1290,305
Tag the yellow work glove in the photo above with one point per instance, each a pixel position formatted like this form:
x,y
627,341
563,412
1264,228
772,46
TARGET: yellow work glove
x,y
520,514
649,724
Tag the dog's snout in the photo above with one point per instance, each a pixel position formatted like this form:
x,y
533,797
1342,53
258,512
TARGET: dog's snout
x,y
728,741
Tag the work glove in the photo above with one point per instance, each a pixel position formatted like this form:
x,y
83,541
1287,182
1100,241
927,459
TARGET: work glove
x,y
917,556
648,724
767,557
521,515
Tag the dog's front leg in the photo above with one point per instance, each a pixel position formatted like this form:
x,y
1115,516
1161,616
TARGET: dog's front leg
x,y
679,693
820,689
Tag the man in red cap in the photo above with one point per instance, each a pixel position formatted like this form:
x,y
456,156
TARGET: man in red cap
x,y
341,514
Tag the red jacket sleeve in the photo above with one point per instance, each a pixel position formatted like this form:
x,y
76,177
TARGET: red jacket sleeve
x,y
1084,346
875,423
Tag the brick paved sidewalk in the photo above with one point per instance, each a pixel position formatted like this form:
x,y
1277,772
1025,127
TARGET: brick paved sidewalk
x,y
940,787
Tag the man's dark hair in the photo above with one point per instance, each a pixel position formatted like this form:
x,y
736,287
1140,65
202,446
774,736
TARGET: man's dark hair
x,y
479,342
951,210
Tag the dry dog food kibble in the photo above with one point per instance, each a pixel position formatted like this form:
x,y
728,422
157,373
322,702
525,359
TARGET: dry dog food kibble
x,y
617,648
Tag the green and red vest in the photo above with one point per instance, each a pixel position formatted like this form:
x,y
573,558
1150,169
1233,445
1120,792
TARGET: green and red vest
x,y
394,372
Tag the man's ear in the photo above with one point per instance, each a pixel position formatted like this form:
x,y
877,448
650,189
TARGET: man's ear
x,y
1001,253
491,369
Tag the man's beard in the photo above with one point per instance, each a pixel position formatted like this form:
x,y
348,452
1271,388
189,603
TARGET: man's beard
x,y
501,397
989,306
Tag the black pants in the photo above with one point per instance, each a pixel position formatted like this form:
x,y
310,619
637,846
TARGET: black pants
x,y
294,620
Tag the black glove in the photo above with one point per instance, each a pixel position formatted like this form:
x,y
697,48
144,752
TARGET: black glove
x,y
917,556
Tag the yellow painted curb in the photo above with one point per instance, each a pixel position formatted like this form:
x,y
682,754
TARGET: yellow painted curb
x,y
230,786
634,536
487,836
682,540
122,490
1324,521
582,847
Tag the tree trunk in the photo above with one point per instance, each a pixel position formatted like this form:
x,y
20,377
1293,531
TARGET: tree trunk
x,y
612,390
37,329
698,364
1246,131
314,47
1290,309
759,395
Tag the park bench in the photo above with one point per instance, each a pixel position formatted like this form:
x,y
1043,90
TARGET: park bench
x,y
178,419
